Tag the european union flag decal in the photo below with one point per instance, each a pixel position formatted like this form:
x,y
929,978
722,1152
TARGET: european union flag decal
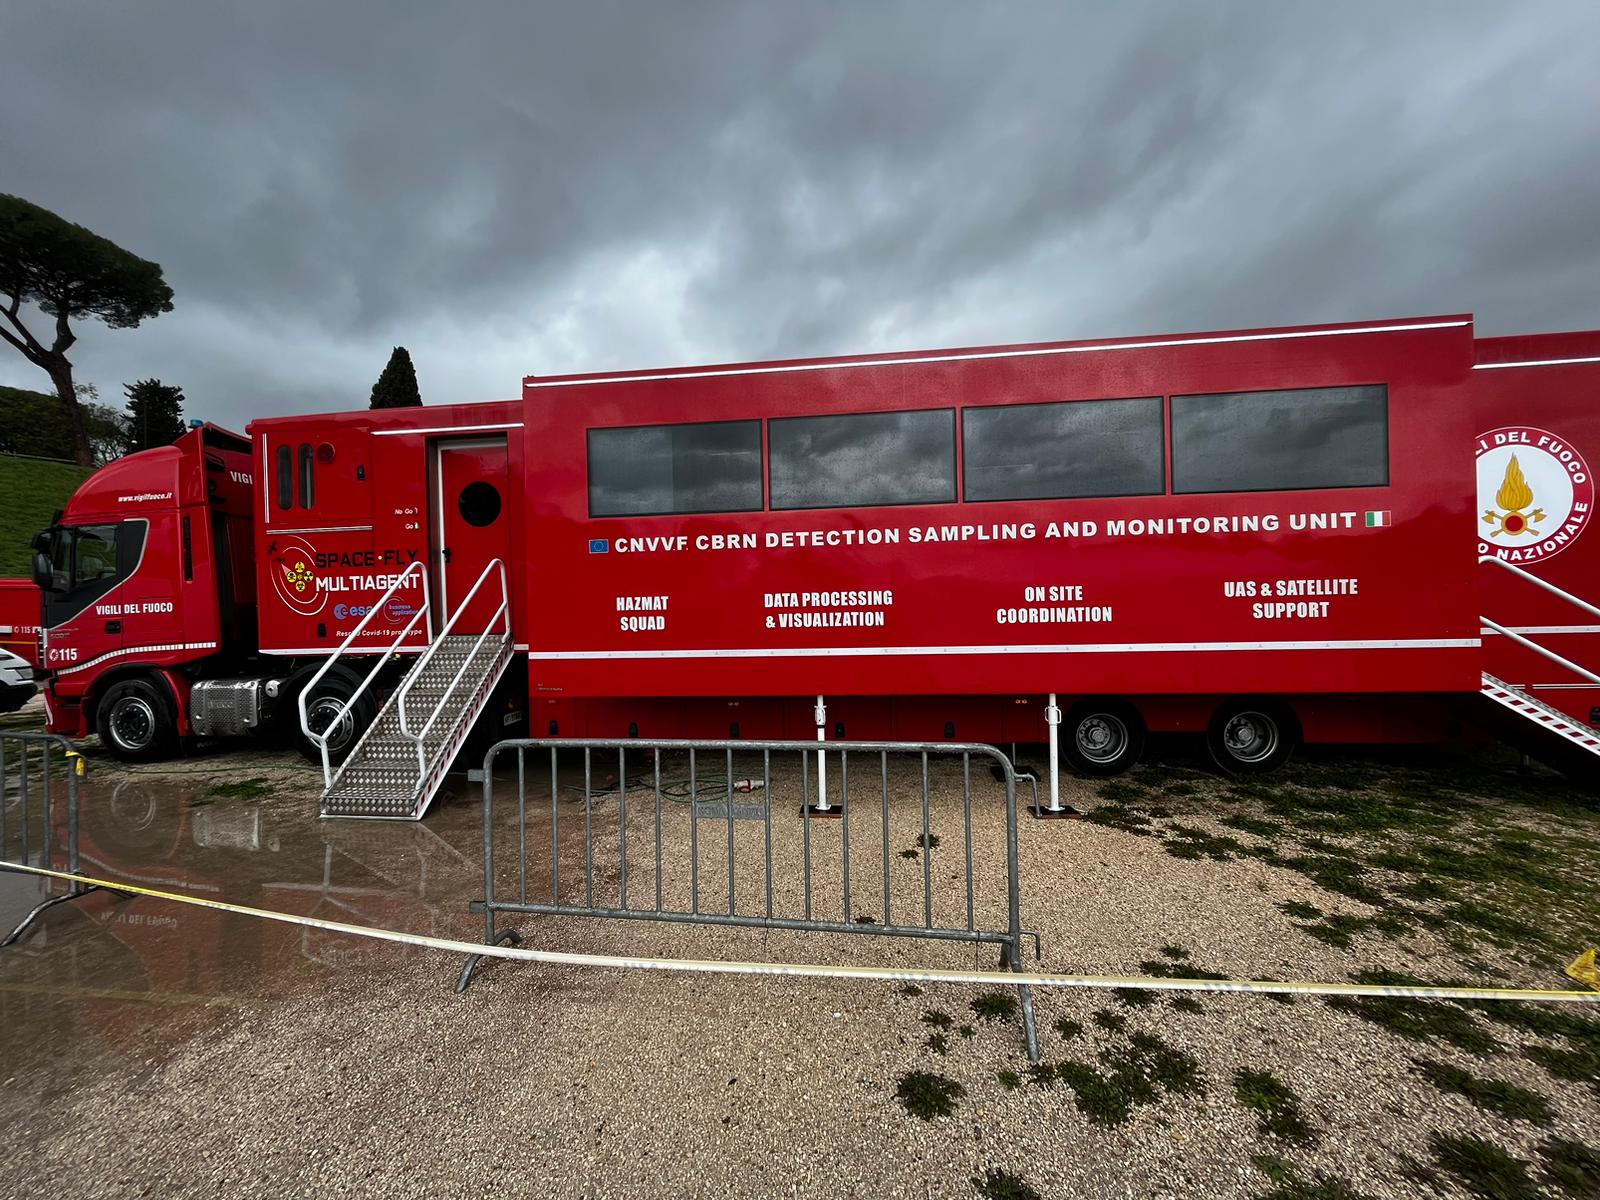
x,y
599,545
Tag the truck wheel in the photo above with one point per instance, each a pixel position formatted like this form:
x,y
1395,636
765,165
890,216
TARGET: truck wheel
x,y
328,710
1102,736
1252,737
135,721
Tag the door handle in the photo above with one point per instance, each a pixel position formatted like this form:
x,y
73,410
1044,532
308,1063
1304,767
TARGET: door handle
x,y
113,626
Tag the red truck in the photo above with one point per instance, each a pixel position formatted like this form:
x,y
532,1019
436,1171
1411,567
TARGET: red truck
x,y
1257,535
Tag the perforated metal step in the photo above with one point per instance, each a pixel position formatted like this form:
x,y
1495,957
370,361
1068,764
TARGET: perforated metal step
x,y
1540,714
385,776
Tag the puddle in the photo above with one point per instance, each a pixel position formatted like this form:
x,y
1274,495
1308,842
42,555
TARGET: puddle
x,y
139,977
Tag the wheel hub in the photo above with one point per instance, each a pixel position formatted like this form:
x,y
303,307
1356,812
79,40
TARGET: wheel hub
x,y
133,723
1101,737
1250,736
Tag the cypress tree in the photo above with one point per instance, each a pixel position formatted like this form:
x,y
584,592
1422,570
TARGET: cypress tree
x,y
397,386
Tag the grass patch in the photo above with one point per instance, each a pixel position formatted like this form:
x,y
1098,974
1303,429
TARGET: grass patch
x,y
1117,816
1009,1079
911,853
939,1020
1417,1020
1277,1108
1301,910
909,989
1187,1004
1067,1028
243,789
938,1043
1572,1167
995,1006
1185,841
1483,1168
1136,997
1253,825
1495,1095
1111,1022
967,1031
1119,791
1042,1074
1137,1074
995,1184
927,1096
34,488
1291,1185
1175,953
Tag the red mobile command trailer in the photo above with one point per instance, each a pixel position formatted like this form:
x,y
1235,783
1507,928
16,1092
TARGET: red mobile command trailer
x,y
1259,535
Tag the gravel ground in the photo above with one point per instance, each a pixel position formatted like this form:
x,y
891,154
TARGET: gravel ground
x,y
321,1067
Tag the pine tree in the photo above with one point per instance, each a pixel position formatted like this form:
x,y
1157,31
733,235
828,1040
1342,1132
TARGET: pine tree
x,y
155,414
397,386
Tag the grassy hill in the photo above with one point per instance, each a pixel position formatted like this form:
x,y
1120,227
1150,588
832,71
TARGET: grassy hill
x,y
31,489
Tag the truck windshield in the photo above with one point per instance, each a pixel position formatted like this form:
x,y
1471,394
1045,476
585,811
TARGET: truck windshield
x,y
87,561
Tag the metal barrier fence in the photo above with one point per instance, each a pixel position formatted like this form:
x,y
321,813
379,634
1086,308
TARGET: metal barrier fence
x,y
38,779
730,789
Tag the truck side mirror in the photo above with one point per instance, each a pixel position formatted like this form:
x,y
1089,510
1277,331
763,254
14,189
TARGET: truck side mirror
x,y
41,572
41,541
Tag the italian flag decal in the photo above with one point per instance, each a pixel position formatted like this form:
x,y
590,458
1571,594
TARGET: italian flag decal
x,y
1379,520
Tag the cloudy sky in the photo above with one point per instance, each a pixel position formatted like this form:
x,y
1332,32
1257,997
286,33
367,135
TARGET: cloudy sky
x,y
537,188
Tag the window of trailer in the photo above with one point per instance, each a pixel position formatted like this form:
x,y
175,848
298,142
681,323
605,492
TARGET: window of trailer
x,y
712,467
1281,440
863,460
1059,451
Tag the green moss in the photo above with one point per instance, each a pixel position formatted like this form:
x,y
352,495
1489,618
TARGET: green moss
x,y
995,1184
1253,825
1137,1074
1483,1168
1416,1020
927,1095
1495,1095
1185,841
1277,1108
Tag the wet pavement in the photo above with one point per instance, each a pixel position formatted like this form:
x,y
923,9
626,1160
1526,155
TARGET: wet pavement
x,y
137,978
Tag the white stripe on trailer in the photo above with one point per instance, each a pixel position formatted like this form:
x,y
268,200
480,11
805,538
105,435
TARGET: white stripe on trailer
x,y
1080,648
134,650
1289,335
446,429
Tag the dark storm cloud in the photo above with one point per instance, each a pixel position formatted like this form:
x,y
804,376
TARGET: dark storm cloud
x,y
520,189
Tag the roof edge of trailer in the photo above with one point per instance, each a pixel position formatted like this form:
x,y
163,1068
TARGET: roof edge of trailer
x,y
1567,348
436,418
1020,350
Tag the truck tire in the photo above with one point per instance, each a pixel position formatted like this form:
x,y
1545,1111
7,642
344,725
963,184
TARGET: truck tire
x,y
328,703
1102,736
136,722
1252,737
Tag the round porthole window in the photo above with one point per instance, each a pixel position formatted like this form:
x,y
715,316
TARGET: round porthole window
x,y
479,503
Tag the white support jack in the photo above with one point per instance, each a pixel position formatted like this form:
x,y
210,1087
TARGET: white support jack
x,y
1052,719
822,808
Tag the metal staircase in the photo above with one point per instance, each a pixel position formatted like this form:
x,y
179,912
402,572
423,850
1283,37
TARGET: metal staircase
x,y
395,768
1535,712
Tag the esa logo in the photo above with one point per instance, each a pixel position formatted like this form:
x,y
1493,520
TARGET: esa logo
x,y
341,611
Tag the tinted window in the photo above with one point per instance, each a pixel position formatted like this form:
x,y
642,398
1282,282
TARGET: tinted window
x,y
479,503
1056,451
285,477
308,483
707,468
863,459
1269,441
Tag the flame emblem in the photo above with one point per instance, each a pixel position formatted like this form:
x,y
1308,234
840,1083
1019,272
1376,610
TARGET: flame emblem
x,y
1514,497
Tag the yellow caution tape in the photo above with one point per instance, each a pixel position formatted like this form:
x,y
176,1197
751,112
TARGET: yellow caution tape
x,y
818,971
1584,970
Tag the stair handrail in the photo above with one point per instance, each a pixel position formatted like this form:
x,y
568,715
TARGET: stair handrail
x,y
1541,650
321,740
416,671
1561,593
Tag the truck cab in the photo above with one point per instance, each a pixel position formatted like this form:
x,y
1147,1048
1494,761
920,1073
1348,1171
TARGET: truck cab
x,y
146,573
